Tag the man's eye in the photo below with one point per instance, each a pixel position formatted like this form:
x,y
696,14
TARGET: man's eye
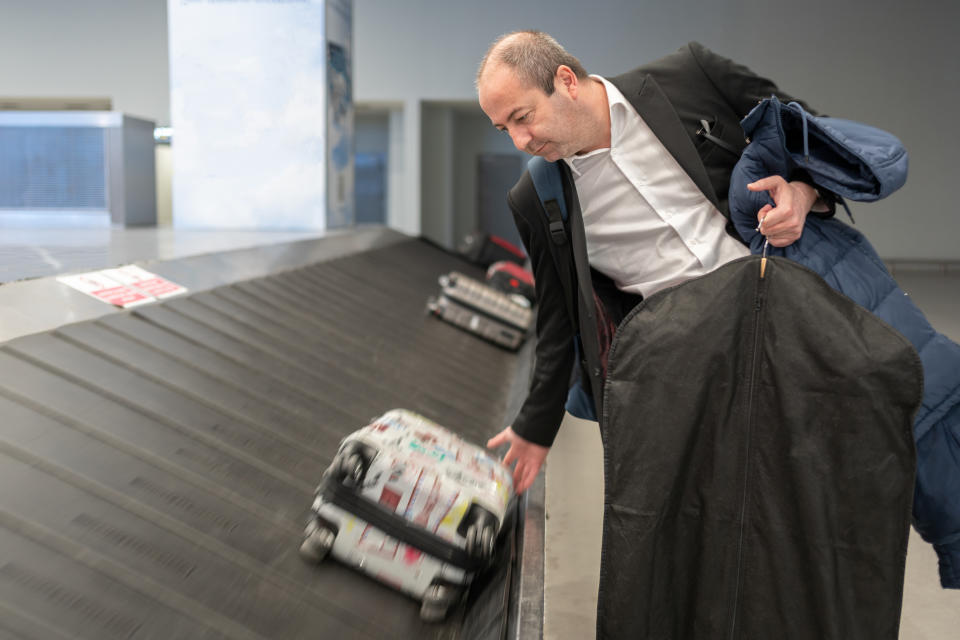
x,y
524,117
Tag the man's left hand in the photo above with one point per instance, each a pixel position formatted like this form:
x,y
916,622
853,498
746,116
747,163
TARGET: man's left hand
x,y
782,224
529,457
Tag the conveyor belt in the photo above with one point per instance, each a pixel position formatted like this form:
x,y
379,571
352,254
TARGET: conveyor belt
x,y
156,466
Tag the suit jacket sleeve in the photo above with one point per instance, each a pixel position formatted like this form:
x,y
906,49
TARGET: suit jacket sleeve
x,y
740,87
542,411
743,89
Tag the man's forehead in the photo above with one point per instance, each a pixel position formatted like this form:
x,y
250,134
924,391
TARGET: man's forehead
x,y
497,74
501,92
503,83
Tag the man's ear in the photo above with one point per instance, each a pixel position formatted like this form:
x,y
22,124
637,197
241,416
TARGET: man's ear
x,y
566,80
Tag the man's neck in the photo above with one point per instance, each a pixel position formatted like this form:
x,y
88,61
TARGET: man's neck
x,y
598,116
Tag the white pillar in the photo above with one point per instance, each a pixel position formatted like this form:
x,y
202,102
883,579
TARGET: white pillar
x,y
261,93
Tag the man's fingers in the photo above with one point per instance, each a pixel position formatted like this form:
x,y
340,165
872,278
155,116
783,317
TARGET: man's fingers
x,y
771,221
519,486
784,240
518,475
528,477
778,219
762,216
783,233
524,480
510,457
497,440
782,220
527,456
769,183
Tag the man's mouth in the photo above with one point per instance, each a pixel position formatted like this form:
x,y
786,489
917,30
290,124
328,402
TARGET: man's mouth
x,y
537,152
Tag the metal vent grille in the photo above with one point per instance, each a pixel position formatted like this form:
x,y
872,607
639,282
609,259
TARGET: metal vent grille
x,y
52,168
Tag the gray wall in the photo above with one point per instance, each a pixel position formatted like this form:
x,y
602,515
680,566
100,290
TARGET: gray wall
x,y
112,48
892,64
437,136
474,134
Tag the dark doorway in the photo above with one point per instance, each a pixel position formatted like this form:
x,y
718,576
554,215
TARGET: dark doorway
x,y
496,174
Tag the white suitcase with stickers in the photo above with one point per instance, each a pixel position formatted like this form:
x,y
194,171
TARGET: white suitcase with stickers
x,y
482,310
413,505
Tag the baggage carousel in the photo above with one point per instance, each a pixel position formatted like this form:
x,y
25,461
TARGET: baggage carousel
x,y
157,465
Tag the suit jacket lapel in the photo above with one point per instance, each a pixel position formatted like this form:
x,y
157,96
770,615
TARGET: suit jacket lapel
x,y
643,92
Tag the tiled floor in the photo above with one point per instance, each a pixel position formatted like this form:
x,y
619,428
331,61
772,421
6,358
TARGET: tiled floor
x,y
574,507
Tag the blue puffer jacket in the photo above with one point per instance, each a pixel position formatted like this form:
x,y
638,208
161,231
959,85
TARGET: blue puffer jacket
x,y
862,163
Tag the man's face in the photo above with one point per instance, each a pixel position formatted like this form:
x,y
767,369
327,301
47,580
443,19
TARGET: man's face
x,y
539,124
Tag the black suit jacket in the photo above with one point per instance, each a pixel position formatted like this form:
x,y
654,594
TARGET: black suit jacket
x,y
672,95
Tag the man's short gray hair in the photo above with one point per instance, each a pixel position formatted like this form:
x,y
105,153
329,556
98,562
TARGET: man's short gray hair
x,y
533,55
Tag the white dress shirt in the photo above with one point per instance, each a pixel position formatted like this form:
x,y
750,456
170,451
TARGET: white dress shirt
x,y
647,225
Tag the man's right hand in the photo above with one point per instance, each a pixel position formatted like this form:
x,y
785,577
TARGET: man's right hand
x,y
529,457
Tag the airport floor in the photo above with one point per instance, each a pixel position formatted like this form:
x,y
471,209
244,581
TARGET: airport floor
x,y
574,482
574,511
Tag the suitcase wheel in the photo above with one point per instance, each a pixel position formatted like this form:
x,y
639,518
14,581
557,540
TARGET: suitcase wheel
x,y
317,542
352,464
481,538
353,468
437,602
481,533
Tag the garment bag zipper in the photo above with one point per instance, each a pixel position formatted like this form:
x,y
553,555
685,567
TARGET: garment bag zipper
x,y
751,393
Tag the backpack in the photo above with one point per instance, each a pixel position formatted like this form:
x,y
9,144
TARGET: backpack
x,y
548,183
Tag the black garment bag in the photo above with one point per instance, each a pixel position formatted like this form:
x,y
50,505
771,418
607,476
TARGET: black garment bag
x,y
759,462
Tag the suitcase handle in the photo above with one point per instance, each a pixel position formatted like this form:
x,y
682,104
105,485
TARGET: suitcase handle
x,y
396,526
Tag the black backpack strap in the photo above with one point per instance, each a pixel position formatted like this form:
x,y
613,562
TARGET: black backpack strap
x,y
556,218
548,183
706,131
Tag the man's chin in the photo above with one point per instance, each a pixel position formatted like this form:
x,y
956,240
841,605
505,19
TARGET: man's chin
x,y
550,155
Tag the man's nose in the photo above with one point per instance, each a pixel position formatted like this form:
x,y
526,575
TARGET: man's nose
x,y
521,137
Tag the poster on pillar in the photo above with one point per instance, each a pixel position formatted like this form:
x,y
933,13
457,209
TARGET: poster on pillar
x,y
340,200
255,115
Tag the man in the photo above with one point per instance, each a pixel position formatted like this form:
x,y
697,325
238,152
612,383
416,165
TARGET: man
x,y
647,155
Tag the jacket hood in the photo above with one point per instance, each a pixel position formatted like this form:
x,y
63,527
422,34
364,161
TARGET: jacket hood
x,y
852,159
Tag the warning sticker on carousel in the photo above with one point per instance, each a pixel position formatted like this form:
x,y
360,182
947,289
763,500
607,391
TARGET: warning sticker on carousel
x,y
123,287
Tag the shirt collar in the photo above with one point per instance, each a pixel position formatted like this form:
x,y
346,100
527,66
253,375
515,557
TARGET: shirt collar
x,y
618,106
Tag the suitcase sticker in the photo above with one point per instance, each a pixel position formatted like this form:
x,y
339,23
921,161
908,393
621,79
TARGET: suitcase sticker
x,y
413,505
